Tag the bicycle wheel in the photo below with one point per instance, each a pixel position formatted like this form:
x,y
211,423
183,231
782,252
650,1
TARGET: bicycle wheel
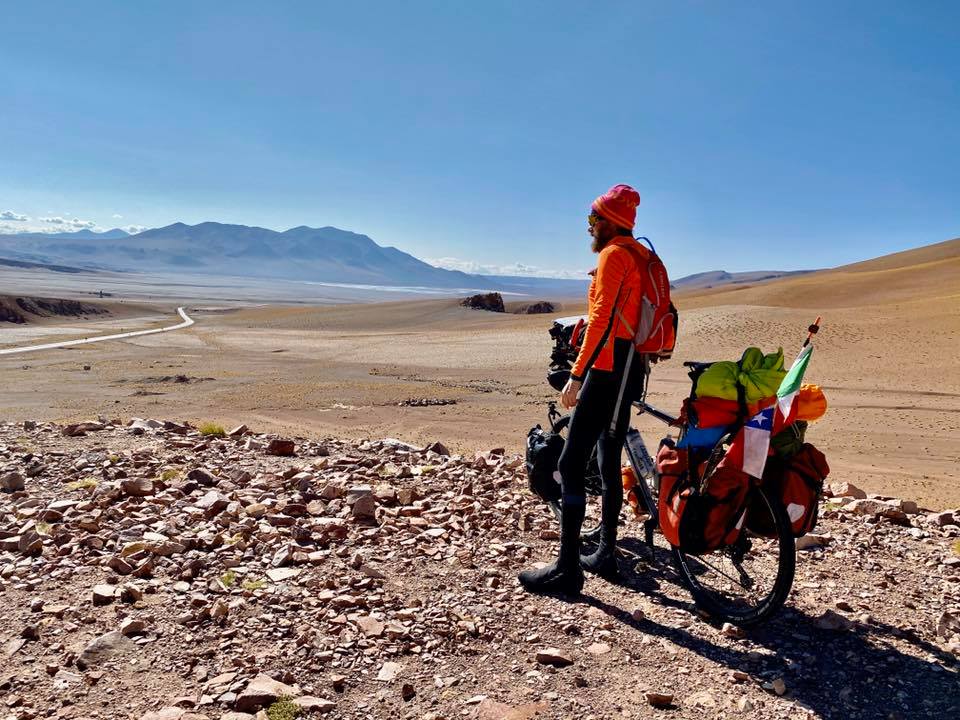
x,y
747,582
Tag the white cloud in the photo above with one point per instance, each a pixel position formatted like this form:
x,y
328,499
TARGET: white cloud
x,y
116,216
134,229
521,269
74,224
11,215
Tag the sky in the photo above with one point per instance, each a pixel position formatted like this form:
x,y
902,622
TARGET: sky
x,y
760,136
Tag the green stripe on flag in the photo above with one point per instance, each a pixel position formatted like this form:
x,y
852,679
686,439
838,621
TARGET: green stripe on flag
x,y
791,383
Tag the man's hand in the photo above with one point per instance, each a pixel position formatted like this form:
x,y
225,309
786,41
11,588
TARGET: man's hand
x,y
568,398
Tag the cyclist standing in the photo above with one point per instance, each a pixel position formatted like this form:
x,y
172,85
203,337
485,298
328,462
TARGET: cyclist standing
x,y
593,390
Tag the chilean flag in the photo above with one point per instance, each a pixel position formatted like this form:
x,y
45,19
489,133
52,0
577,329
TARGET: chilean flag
x,y
749,449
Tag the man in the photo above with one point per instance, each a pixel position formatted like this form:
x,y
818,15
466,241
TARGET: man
x,y
593,388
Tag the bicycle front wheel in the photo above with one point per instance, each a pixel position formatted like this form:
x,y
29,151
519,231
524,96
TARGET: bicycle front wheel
x,y
747,582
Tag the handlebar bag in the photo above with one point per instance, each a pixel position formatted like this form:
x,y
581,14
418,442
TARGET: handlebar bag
x,y
543,453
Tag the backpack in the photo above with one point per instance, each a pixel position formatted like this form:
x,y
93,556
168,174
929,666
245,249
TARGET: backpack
x,y
656,332
700,517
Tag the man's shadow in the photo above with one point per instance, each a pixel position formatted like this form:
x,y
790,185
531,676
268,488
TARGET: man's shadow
x,y
858,673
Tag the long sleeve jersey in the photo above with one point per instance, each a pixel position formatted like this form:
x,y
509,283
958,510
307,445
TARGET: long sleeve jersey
x,y
617,284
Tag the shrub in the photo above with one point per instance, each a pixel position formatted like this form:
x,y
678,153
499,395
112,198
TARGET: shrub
x,y
88,483
212,430
283,709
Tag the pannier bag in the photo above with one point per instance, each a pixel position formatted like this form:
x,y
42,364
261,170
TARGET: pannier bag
x,y
801,487
700,520
543,453
796,482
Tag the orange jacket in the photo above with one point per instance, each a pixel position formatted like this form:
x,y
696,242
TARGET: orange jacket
x,y
617,283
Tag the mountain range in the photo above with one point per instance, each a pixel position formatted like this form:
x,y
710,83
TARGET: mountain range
x,y
325,254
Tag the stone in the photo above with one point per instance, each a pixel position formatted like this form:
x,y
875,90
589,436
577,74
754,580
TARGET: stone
x,y
137,487
389,671
943,519
408,692
102,648
11,481
281,574
365,508
732,631
312,704
263,690
133,626
659,700
371,627
212,504
830,620
702,699
846,489
104,594
948,623
599,648
238,431
283,448
439,448
488,709
554,657
813,542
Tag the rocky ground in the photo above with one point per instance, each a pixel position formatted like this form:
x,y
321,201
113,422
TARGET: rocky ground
x,y
150,571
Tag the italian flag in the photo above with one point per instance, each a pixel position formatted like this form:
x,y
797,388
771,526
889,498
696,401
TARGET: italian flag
x,y
750,447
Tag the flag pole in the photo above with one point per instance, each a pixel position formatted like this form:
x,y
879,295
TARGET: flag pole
x,y
811,331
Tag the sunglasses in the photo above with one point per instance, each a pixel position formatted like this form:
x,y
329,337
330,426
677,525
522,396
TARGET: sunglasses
x,y
593,219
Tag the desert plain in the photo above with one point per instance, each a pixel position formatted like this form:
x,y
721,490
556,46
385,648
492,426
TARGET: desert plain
x,y
425,369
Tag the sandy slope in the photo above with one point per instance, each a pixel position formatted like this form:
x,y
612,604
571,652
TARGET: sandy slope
x,y
886,355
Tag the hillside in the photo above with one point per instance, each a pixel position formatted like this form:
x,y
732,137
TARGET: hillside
x,y
325,254
927,273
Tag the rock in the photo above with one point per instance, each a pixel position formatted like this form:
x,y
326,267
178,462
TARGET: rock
x,y
212,504
132,626
659,700
778,686
137,487
408,692
812,542
637,614
238,431
439,448
553,656
201,477
278,575
948,623
263,690
598,649
314,704
365,508
943,519
283,448
536,308
81,429
488,709
876,508
104,594
371,627
732,631
102,648
830,620
745,704
702,699
492,302
11,481
846,490
389,671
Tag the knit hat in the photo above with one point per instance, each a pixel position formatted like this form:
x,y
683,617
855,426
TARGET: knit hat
x,y
618,205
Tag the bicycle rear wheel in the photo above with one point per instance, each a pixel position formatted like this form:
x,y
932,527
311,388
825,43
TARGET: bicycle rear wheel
x,y
747,582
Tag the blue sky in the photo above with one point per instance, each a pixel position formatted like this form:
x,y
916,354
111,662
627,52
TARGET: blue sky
x,y
775,135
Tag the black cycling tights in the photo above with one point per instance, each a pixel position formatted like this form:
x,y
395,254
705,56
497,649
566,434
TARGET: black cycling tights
x,y
590,425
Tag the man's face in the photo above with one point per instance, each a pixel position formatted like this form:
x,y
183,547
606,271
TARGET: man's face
x,y
601,230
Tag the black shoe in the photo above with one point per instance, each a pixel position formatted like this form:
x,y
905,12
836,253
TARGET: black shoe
x,y
553,579
603,562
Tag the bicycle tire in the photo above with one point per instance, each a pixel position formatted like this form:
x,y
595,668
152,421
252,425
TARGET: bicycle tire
x,y
717,608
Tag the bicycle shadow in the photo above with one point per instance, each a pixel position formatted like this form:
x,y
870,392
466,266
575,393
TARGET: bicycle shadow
x,y
857,673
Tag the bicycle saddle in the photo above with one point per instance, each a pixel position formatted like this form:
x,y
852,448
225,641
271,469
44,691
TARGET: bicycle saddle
x,y
697,366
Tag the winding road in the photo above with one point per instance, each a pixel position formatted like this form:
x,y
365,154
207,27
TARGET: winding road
x,y
187,322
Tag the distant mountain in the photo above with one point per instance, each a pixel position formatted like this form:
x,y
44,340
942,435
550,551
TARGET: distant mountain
x,y
325,254
80,235
716,278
